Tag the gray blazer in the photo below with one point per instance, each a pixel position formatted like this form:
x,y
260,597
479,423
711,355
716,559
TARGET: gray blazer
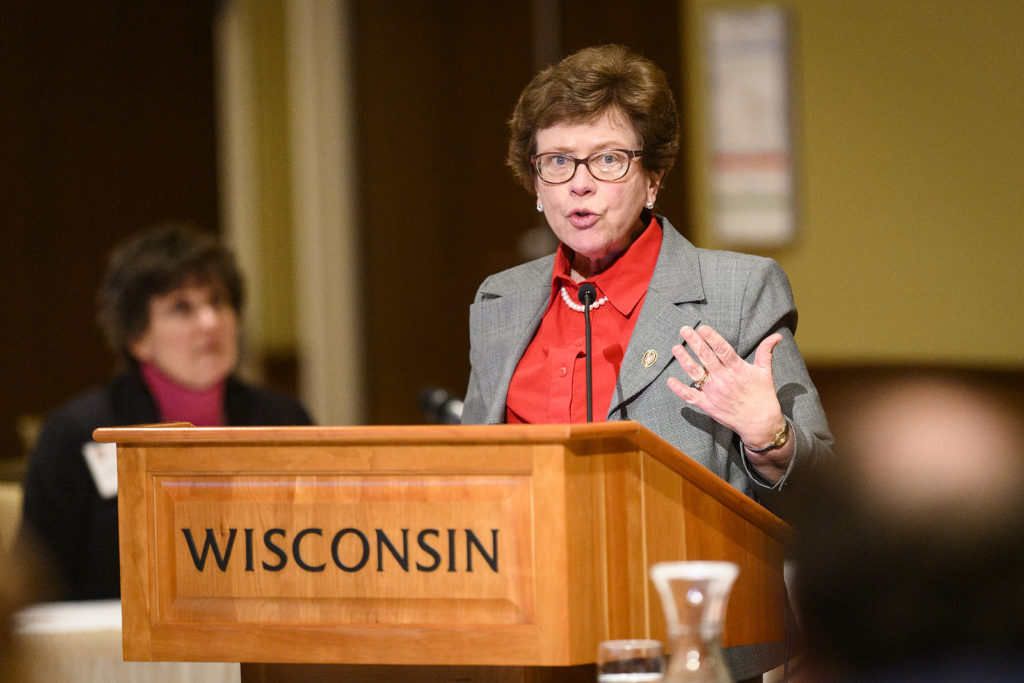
x,y
745,298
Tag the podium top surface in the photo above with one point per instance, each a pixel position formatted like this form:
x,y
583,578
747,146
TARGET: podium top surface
x,y
179,432
581,439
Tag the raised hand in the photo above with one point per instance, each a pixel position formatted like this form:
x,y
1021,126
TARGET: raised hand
x,y
733,392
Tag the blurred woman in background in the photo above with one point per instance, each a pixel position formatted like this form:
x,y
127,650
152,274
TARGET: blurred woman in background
x,y
170,306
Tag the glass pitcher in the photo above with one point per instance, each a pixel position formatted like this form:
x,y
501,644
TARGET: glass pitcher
x,y
693,597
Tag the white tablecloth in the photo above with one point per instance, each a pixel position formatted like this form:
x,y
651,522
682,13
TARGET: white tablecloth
x,y
80,642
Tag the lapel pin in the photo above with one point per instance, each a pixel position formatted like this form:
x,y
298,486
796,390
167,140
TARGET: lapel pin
x,y
650,357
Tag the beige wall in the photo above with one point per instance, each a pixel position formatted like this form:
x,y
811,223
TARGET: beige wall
x,y
908,129
257,165
909,137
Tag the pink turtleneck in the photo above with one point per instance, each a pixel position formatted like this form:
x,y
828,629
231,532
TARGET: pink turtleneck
x,y
204,408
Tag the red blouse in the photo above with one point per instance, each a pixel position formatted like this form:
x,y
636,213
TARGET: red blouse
x,y
550,382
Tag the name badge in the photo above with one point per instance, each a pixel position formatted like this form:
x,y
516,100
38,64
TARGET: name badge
x,y
102,461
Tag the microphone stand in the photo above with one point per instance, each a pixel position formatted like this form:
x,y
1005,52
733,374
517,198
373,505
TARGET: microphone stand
x,y
587,294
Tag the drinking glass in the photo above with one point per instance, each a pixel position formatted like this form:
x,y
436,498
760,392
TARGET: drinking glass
x,y
630,661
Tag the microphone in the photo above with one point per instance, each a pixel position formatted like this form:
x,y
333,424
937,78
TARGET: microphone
x,y
588,294
440,407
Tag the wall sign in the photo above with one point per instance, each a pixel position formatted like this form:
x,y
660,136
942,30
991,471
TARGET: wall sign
x,y
750,155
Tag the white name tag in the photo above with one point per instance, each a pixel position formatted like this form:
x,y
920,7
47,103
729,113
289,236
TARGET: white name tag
x,y
102,461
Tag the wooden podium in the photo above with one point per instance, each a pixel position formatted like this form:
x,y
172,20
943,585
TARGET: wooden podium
x,y
500,553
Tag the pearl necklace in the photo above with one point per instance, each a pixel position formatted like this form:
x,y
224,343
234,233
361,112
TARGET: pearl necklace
x,y
579,308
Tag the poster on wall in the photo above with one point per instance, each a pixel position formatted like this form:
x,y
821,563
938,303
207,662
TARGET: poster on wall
x,y
750,157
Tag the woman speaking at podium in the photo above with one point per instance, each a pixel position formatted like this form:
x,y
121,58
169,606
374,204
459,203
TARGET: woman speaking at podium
x,y
695,344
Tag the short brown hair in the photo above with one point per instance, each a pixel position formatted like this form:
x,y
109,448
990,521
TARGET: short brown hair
x,y
583,86
154,262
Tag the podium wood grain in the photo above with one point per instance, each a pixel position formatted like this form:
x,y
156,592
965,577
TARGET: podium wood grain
x,y
559,522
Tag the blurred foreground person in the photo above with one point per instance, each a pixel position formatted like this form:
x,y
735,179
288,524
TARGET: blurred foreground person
x,y
910,561
170,306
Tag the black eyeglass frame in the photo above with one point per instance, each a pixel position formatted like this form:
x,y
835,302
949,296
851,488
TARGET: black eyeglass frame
x,y
630,155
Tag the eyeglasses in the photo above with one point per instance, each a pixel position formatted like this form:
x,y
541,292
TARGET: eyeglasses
x,y
556,168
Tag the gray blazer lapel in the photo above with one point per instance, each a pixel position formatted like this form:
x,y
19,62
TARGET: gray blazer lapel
x,y
504,319
675,283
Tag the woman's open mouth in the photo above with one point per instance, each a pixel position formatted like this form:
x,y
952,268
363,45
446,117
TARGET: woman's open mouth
x,y
582,219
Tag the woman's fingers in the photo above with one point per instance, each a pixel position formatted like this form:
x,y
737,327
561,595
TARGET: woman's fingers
x,y
691,367
722,350
710,347
707,363
716,356
686,393
763,355
735,393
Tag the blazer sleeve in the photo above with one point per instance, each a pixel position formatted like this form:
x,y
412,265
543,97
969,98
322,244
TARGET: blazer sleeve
x,y
768,307
474,406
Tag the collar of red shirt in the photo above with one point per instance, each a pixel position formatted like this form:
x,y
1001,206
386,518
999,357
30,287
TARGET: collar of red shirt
x,y
625,282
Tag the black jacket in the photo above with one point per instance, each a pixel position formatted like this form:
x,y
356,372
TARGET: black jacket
x,y
63,511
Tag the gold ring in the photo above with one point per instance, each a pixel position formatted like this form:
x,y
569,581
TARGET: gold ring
x,y
702,381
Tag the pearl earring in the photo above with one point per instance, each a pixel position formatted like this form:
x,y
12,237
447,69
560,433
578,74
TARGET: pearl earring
x,y
649,205
540,208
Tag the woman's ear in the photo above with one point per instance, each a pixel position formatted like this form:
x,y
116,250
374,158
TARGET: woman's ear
x,y
140,348
652,190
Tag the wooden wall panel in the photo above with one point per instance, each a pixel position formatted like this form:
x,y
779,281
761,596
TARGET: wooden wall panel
x,y
436,83
107,119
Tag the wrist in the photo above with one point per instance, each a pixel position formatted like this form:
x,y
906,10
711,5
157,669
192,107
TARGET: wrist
x,y
777,440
